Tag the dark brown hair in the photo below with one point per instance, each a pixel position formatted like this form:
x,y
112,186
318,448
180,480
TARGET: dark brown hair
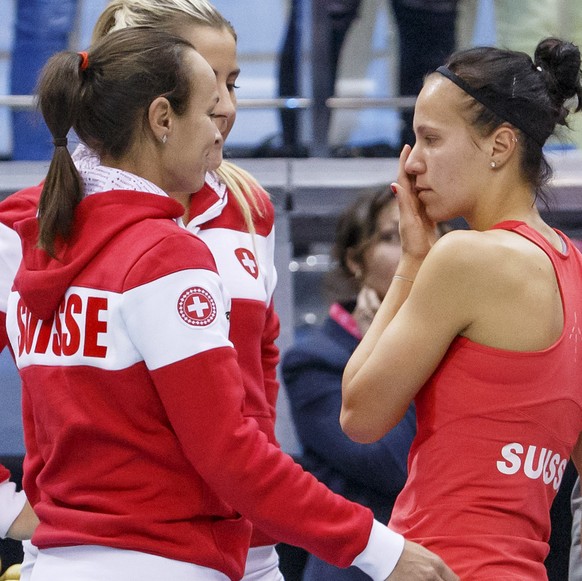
x,y
356,231
533,93
106,104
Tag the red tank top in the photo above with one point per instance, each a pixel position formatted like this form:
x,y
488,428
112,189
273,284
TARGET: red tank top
x,y
495,432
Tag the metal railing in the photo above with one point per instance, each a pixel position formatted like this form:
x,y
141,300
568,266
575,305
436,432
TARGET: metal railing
x,y
318,109
18,101
29,102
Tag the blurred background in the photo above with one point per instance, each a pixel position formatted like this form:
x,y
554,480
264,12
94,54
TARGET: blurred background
x,y
369,71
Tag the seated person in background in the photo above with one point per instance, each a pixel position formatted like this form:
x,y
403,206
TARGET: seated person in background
x,y
367,249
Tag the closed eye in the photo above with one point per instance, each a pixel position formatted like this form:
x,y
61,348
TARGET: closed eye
x,y
389,236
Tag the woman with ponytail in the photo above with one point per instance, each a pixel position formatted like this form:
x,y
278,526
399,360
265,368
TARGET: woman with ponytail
x,y
482,327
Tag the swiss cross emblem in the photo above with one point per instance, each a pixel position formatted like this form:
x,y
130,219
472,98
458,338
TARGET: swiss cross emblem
x,y
196,307
248,261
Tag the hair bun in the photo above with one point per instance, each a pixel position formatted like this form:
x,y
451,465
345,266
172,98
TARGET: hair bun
x,y
559,61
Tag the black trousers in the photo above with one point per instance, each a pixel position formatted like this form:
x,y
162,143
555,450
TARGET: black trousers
x,y
426,32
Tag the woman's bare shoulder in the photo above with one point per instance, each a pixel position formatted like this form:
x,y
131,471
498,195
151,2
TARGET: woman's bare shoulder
x,y
466,251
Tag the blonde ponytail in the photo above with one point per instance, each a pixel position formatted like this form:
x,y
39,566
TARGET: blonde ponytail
x,y
245,189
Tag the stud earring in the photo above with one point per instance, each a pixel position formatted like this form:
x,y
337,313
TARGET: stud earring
x,y
164,138
493,165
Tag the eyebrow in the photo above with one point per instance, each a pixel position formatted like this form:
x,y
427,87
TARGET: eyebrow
x,y
423,129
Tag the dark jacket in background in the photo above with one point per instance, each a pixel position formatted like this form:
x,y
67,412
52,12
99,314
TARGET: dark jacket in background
x,y
371,474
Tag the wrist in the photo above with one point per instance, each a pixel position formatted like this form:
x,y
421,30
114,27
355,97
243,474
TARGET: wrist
x,y
408,268
403,278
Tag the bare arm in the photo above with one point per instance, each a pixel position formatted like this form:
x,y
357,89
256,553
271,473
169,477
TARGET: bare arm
x,y
417,236
406,341
412,329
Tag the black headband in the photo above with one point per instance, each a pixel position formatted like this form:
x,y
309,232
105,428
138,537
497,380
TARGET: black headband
x,y
518,117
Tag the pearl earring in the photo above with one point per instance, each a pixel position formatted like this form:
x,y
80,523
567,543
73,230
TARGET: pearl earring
x,y
493,165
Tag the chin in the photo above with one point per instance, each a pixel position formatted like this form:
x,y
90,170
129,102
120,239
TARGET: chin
x,y
214,162
437,216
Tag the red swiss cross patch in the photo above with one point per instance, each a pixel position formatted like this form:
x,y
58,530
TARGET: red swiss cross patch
x,y
196,307
248,261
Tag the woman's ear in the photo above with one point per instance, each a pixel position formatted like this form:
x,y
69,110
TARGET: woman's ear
x,y
160,116
503,145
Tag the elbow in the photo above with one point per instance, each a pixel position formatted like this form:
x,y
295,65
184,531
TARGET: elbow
x,y
361,419
352,419
357,428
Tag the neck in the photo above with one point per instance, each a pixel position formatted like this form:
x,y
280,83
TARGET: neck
x,y
140,166
505,197
527,213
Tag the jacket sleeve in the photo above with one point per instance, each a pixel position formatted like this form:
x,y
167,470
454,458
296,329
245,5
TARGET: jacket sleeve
x,y
22,204
11,502
269,350
3,334
270,357
33,462
236,460
10,257
314,389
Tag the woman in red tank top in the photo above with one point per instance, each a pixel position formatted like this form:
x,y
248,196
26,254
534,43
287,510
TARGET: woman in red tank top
x,y
482,328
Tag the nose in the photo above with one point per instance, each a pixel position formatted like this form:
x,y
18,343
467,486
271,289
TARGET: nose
x,y
224,110
414,164
218,140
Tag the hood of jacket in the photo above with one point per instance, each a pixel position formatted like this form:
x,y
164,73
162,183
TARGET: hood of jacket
x,y
20,205
42,280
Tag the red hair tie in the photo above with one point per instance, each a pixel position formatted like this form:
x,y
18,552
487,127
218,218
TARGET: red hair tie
x,y
84,60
